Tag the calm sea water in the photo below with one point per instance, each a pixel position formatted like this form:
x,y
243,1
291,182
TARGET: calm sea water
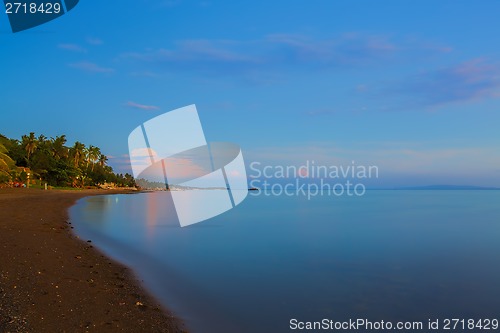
x,y
389,255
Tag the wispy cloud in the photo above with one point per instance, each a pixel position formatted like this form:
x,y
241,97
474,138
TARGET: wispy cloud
x,y
94,41
72,47
273,52
141,106
91,67
120,163
200,52
468,81
347,49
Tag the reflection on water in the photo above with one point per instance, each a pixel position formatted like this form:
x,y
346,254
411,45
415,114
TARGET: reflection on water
x,y
390,255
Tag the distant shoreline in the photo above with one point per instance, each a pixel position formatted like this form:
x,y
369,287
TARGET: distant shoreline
x,y
52,281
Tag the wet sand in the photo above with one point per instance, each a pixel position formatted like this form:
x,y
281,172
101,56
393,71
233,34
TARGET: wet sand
x,y
51,281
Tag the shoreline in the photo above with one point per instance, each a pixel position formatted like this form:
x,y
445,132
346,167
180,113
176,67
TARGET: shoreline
x,y
52,281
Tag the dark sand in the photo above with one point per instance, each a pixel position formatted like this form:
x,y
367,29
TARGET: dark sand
x,y
50,281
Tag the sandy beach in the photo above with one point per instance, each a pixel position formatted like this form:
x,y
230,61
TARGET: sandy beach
x,y
52,281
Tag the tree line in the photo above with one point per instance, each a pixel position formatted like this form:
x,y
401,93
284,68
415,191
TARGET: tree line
x,y
51,161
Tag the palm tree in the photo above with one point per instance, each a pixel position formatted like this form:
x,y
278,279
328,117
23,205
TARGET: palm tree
x,y
30,144
6,164
42,138
78,153
103,159
59,149
55,161
43,143
93,154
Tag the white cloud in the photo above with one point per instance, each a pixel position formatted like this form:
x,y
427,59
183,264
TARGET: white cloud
x,y
94,41
72,47
88,66
469,81
141,106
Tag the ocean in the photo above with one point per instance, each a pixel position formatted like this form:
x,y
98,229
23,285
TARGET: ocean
x,y
277,262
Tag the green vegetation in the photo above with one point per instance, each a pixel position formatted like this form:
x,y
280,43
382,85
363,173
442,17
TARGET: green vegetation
x,y
50,161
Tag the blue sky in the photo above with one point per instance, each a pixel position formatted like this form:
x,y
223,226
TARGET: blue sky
x,y
412,87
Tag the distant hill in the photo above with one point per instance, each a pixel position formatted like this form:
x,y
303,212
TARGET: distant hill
x,y
447,187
